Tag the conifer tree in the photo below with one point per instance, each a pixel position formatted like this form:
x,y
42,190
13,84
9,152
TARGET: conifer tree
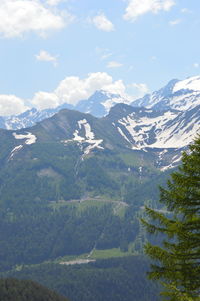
x,y
177,260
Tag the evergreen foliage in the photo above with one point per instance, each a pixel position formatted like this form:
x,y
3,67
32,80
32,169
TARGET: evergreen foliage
x,y
177,260
37,234
115,279
26,290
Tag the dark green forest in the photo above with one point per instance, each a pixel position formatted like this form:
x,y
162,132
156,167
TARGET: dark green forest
x,y
26,290
44,234
119,279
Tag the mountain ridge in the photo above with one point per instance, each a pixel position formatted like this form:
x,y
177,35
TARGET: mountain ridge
x,y
98,105
177,94
124,128
180,95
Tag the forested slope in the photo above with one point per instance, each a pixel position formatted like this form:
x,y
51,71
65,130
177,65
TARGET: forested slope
x,y
26,290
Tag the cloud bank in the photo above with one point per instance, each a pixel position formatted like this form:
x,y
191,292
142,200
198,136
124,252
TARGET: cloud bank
x,y
137,8
18,17
70,90
73,89
11,105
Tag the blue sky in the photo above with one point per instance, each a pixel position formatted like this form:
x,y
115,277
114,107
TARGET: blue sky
x,y
55,51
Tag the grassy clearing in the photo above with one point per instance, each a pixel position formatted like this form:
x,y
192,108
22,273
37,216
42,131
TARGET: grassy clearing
x,y
89,203
131,159
110,253
70,258
81,205
97,254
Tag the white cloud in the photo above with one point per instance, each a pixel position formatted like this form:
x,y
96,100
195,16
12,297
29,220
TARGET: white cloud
x,y
114,64
138,90
102,23
174,22
117,87
44,100
196,65
11,105
46,57
18,17
53,2
73,89
137,8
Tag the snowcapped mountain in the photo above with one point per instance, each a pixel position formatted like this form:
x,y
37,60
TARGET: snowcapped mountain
x,y
168,124
26,119
98,105
144,128
29,118
180,95
163,134
63,157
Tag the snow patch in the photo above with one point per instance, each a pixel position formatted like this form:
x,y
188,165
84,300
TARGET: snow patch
x,y
77,137
163,132
110,102
15,150
122,134
30,138
192,83
175,160
89,137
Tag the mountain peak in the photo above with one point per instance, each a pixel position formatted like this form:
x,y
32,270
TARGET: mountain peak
x,y
180,95
191,84
100,103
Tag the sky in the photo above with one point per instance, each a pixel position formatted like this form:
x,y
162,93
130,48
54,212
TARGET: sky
x,y
57,51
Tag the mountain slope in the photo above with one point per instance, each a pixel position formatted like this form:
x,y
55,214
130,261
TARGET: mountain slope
x,y
73,154
26,290
125,127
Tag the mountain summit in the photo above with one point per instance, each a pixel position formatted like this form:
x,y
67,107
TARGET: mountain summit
x,y
100,103
180,95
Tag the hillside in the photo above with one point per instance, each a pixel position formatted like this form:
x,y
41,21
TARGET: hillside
x,y
73,155
119,279
26,290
